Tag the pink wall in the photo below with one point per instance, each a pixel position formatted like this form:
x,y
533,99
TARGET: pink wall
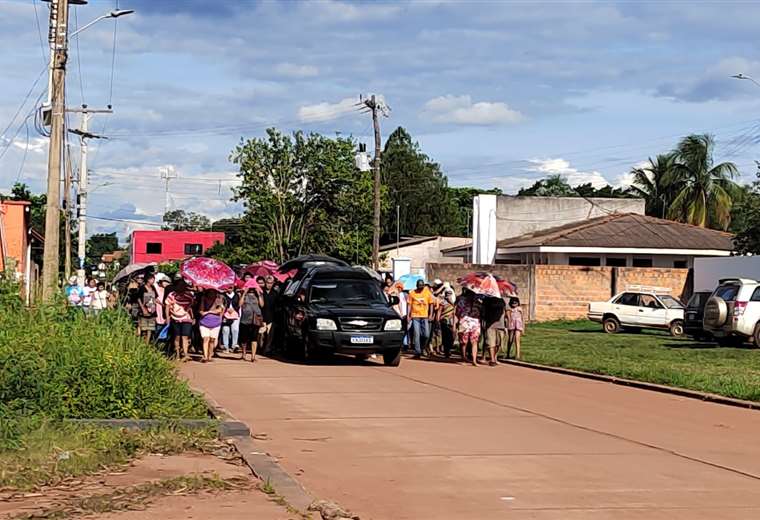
x,y
173,244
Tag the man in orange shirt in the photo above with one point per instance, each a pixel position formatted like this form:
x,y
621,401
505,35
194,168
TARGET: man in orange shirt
x,y
420,302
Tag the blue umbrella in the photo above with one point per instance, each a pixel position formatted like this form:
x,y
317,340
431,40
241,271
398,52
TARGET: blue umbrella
x,y
410,281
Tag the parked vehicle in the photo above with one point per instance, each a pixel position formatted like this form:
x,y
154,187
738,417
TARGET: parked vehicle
x,y
732,314
338,309
694,314
639,308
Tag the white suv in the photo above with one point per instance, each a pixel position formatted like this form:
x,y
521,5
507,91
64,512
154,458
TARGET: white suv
x,y
732,314
639,308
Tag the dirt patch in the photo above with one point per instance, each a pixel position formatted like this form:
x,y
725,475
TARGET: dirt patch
x,y
170,487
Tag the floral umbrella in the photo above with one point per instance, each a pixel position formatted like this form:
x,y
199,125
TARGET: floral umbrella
x,y
488,284
208,273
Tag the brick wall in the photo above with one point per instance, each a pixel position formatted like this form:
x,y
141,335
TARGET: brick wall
x,y
564,291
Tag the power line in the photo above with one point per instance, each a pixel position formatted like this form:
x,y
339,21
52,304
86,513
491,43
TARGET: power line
x,y
23,102
79,60
39,33
141,222
113,57
26,150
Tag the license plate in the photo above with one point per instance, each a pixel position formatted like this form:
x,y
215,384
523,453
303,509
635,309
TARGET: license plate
x,y
691,315
362,340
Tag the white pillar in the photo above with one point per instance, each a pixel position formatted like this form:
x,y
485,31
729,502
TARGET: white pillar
x,y
484,229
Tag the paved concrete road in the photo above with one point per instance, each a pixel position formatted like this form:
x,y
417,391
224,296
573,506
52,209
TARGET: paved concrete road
x,y
434,440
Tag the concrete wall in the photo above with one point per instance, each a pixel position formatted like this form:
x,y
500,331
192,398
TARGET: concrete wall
x,y
424,252
554,292
519,215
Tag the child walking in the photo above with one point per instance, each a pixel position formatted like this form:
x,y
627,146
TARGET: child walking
x,y
515,326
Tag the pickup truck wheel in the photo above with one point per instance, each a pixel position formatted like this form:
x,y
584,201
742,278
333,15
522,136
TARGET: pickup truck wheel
x,y
756,336
392,358
611,325
676,329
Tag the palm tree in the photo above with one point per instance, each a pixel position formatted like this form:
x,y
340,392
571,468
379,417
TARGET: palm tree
x,y
653,184
703,191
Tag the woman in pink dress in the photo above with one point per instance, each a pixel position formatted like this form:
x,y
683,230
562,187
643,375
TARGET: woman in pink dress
x,y
515,326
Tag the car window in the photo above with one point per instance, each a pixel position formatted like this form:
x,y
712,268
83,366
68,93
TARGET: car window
x,y
336,291
290,290
727,292
670,302
628,299
755,295
697,300
647,300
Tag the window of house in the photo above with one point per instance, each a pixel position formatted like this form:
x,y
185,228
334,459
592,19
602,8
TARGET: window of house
x,y
153,248
680,264
193,249
642,262
584,260
615,262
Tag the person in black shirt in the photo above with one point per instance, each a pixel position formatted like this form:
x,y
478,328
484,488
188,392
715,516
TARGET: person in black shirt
x,y
268,303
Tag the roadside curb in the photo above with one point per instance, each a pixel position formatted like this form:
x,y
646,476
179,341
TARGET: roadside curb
x,y
263,465
226,428
654,387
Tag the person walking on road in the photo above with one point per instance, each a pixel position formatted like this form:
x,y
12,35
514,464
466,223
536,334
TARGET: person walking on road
x,y
445,319
99,299
420,302
179,312
515,326
231,321
250,320
211,310
468,320
268,304
146,301
496,328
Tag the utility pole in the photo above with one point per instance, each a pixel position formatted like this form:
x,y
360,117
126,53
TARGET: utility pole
x,y
167,173
84,134
67,215
376,105
59,14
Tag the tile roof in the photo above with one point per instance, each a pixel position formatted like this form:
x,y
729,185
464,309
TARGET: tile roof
x,y
625,230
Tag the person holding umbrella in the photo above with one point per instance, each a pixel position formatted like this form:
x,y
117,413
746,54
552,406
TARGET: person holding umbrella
x,y
179,312
250,317
211,310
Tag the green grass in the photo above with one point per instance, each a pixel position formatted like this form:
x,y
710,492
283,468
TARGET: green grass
x,y
56,451
650,356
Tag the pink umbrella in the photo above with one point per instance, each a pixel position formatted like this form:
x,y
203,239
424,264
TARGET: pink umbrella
x,y
208,273
268,268
252,284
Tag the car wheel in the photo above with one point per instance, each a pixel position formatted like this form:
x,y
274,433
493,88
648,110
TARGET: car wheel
x,y
611,325
676,329
716,312
756,336
392,358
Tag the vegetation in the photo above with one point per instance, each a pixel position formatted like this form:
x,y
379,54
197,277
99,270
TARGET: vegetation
x,y
648,356
745,220
557,186
100,244
57,364
181,220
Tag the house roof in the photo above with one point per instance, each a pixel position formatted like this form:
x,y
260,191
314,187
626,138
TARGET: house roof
x,y
407,242
625,230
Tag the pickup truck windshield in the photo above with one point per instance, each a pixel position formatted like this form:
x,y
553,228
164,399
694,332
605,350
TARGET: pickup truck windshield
x,y
670,302
338,291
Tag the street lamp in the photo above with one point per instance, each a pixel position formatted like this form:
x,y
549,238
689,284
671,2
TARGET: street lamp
x,y
116,13
744,76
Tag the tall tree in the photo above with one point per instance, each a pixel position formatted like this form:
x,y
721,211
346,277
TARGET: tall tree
x,y
417,186
551,186
181,220
303,194
462,199
654,183
703,190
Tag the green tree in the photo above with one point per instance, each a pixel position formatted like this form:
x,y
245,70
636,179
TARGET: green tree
x,y
415,184
703,190
181,220
462,199
654,183
745,218
551,186
100,244
302,194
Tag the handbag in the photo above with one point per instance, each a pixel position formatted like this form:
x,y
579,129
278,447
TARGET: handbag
x,y
164,334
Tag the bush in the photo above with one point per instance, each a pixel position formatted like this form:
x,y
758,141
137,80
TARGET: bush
x,y
55,363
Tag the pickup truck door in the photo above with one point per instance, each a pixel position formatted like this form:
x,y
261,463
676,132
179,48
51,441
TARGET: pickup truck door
x,y
652,313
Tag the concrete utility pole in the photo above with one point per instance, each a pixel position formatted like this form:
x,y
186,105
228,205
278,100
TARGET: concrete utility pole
x,y
84,134
375,105
59,14
67,216
167,173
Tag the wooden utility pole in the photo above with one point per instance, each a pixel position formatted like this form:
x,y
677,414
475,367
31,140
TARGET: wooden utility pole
x,y
67,215
374,105
59,14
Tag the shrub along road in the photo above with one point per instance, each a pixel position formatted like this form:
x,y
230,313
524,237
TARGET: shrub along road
x,y
650,356
438,440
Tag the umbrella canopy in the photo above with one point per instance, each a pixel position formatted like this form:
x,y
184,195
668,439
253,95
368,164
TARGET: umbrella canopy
x,y
488,284
208,273
133,269
309,260
410,281
252,284
267,268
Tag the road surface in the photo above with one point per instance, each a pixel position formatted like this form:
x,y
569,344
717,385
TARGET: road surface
x,y
433,440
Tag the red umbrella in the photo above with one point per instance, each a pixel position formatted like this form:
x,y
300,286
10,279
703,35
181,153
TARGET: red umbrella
x,y
208,273
267,268
488,284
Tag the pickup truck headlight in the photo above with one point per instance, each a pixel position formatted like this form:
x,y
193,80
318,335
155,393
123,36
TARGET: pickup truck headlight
x,y
326,324
393,325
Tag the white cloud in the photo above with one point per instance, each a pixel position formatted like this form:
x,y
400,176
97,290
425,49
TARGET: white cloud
x,y
562,167
327,111
461,110
334,10
292,70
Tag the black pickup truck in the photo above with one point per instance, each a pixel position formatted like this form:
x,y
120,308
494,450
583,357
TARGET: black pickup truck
x,y
340,309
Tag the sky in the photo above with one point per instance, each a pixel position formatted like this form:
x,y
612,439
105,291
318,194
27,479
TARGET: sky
x,y
499,93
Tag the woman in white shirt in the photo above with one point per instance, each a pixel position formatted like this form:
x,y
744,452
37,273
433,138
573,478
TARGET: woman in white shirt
x,y
99,300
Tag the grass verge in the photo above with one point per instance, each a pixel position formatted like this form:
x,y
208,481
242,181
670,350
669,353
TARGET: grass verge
x,y
650,356
57,451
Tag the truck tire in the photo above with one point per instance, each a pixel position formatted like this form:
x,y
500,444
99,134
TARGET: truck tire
x,y
611,325
676,328
392,358
716,312
756,336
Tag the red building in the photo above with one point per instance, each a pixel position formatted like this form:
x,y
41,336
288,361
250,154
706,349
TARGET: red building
x,y
165,246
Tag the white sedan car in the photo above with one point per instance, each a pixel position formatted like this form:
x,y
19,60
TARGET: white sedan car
x,y
639,310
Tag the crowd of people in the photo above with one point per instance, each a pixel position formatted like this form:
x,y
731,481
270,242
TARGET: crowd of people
x,y
241,320
436,319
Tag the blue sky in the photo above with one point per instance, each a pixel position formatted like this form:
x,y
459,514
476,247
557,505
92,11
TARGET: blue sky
x,y
500,93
